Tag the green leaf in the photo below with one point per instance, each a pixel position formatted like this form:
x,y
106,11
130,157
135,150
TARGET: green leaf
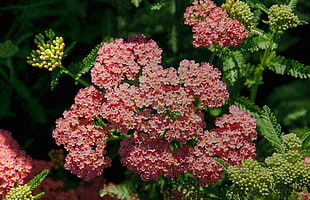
x,y
282,65
261,7
88,62
269,126
33,183
121,191
249,106
56,74
38,196
136,2
292,4
69,48
235,67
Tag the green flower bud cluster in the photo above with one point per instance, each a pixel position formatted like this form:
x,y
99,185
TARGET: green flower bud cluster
x,y
288,167
20,192
240,11
251,180
281,18
24,192
49,53
290,142
284,172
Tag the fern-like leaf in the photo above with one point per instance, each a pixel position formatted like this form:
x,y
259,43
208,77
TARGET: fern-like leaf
x,y
89,61
248,106
258,43
234,67
261,7
33,183
269,127
292,4
56,74
282,65
69,48
120,191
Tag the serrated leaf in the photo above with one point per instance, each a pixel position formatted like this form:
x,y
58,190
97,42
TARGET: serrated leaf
x,y
261,7
269,126
69,48
249,106
282,65
56,74
292,4
33,183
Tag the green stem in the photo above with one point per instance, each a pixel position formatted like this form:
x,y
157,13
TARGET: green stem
x,y
81,81
211,57
258,72
11,68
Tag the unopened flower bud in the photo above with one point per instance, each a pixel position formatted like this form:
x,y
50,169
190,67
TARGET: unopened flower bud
x,y
49,53
281,17
240,11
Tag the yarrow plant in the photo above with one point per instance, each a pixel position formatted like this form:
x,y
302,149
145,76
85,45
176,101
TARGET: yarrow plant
x,y
186,123
157,104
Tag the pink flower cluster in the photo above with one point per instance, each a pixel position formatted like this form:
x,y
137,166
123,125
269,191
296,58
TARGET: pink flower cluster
x,y
212,25
119,60
151,158
160,110
230,142
81,137
14,163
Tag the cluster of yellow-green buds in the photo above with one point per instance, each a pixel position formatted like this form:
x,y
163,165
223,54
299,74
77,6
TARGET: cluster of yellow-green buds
x,y
284,173
288,166
249,180
240,11
24,192
282,17
20,192
49,53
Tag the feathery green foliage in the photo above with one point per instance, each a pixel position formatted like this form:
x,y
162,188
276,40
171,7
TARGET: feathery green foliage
x,y
269,127
292,4
34,182
282,65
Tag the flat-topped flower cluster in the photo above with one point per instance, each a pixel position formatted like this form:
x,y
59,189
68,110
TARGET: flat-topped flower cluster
x,y
159,112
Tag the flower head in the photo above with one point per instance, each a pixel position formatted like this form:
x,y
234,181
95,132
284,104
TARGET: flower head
x,y
49,53
120,60
151,158
231,142
85,141
281,17
212,26
240,11
14,163
250,180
